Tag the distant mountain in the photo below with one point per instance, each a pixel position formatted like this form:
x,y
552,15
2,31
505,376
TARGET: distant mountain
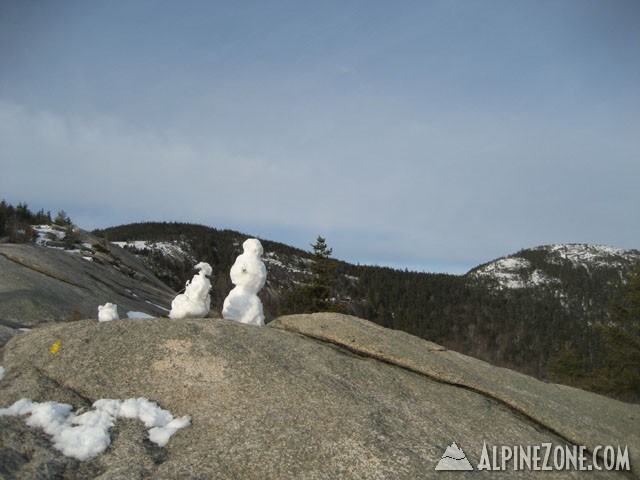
x,y
583,278
552,265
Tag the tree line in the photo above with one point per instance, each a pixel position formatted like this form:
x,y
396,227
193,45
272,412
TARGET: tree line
x,y
16,221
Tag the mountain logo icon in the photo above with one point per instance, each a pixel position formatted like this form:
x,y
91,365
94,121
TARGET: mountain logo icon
x,y
454,459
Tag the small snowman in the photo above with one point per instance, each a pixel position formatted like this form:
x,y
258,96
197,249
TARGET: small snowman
x,y
248,274
108,312
195,301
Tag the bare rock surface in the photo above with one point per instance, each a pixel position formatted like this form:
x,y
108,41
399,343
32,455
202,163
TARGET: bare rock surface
x,y
39,284
580,417
307,397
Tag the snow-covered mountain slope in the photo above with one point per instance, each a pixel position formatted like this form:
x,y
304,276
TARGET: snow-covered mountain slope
x,y
552,265
513,272
176,250
593,256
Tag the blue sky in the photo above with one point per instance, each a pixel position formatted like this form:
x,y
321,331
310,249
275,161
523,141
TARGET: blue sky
x,y
429,135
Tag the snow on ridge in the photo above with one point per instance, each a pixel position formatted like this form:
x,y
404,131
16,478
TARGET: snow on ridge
x,y
589,255
173,249
270,258
518,272
514,273
47,233
52,236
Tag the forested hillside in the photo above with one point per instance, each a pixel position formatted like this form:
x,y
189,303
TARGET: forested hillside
x,y
219,248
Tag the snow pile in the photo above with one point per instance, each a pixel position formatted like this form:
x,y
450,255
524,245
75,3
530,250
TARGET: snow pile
x,y
48,233
160,423
53,236
85,435
248,274
1,373
108,312
195,301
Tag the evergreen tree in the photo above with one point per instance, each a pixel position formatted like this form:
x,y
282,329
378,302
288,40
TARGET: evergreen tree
x,y
23,214
16,222
4,217
71,238
62,219
323,271
317,296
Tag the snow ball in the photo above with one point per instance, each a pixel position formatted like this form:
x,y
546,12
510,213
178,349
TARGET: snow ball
x,y
108,312
195,301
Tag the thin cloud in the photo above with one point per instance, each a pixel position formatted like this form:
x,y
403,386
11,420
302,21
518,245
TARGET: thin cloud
x,y
432,134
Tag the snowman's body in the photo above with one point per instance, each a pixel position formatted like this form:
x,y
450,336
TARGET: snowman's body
x,y
248,274
195,301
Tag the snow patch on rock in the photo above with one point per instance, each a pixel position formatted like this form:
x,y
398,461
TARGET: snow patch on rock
x,y
86,435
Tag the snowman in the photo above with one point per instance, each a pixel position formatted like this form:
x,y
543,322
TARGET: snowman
x,y
248,274
195,301
108,312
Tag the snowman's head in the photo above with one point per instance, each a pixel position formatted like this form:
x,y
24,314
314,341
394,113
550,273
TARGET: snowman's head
x,y
204,268
253,247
